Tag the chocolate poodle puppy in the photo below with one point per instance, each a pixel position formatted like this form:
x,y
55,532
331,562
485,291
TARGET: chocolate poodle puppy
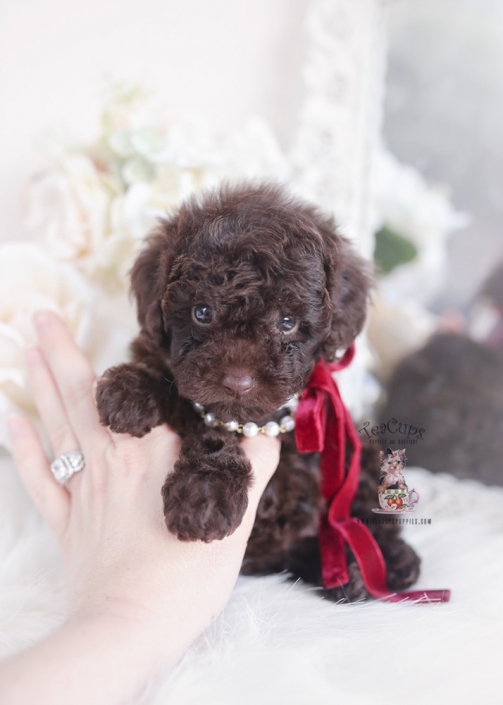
x,y
239,294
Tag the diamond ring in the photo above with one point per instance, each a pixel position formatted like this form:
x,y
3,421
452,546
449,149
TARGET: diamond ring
x,y
67,465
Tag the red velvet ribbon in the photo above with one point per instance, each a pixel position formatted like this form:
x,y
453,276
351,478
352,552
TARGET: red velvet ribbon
x,y
323,424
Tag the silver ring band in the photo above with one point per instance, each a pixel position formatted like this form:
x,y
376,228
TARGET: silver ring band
x,y
67,465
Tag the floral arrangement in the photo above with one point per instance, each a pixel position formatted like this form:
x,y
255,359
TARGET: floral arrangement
x,y
413,222
88,214
94,207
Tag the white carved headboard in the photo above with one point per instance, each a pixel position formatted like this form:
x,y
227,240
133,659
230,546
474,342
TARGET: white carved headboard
x,y
339,132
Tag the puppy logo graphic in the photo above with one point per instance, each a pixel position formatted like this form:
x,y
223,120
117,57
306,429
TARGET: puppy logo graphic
x,y
394,495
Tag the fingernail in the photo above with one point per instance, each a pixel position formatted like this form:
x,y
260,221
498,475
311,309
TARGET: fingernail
x,y
14,424
33,356
41,319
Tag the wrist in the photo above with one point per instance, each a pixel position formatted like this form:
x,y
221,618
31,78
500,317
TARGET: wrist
x,y
139,635
98,657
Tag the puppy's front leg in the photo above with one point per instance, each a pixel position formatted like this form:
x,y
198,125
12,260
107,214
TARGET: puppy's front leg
x,y
133,398
206,496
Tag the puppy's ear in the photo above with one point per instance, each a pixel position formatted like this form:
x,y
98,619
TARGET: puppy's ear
x,y
382,457
149,279
349,282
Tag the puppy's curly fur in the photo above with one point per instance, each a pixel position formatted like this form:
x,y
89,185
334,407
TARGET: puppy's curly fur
x,y
239,295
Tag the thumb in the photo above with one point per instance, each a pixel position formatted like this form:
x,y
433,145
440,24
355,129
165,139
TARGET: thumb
x,y
263,453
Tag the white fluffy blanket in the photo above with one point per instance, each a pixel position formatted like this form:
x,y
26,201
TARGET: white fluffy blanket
x,y
280,644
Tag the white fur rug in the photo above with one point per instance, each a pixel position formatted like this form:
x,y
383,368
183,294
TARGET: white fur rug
x,y
280,644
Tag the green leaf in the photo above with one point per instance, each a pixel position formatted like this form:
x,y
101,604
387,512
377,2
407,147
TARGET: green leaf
x,y
392,249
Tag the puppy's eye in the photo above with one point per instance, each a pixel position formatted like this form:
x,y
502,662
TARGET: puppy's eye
x,y
203,314
287,324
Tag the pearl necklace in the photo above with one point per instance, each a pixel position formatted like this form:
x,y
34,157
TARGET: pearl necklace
x,y
250,429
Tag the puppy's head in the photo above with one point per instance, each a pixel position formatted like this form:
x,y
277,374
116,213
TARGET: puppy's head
x,y
242,292
392,461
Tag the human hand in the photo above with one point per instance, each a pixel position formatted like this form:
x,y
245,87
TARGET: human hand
x,y
120,562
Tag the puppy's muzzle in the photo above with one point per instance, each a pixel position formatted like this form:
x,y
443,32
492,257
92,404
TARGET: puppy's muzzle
x,y
237,382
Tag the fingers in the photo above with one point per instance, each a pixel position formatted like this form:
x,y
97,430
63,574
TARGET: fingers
x,y
74,378
52,500
49,404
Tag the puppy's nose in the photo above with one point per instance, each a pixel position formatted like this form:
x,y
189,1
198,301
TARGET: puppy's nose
x,y
237,381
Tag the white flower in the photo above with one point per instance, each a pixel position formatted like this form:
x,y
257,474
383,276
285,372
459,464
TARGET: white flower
x,y
131,123
69,211
137,170
251,152
31,280
133,215
399,320
54,216
83,218
397,328
408,205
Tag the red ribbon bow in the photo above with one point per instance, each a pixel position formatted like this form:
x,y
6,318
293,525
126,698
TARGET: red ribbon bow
x,y
323,424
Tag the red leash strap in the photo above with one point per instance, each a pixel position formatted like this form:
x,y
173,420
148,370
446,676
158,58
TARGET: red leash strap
x,y
323,424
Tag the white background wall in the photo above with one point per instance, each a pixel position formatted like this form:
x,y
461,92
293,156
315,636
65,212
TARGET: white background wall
x,y
220,59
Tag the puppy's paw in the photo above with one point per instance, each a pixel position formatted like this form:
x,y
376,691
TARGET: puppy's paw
x,y
206,497
352,591
127,399
402,564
